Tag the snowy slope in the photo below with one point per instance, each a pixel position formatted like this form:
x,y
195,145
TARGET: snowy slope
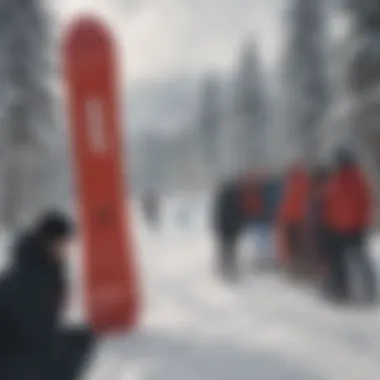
x,y
263,328
196,328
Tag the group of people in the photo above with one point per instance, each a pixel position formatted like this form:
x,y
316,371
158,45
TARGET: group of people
x,y
322,218
33,343
325,217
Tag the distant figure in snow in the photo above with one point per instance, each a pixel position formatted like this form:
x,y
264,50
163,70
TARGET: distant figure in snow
x,y
238,204
227,225
32,293
151,209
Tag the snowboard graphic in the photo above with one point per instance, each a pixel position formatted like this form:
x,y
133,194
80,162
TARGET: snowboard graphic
x,y
112,297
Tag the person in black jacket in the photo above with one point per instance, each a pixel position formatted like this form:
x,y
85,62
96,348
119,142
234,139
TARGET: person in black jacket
x,y
228,222
32,344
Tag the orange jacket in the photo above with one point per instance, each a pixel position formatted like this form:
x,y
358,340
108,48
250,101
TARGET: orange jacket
x,y
347,201
293,207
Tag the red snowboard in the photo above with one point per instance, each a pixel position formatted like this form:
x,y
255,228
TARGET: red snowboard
x,y
111,283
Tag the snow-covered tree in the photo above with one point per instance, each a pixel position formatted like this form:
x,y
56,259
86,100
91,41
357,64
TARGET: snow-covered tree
x,y
26,105
365,72
250,110
364,82
306,84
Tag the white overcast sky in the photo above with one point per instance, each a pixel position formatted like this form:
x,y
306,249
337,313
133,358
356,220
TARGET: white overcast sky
x,y
165,44
164,37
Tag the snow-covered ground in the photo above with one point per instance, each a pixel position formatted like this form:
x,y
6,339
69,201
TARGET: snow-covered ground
x,y
196,328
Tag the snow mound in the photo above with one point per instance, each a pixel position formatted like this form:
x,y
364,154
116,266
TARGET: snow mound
x,y
196,328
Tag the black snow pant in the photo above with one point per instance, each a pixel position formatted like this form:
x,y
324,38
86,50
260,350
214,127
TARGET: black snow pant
x,y
227,256
294,239
345,248
77,348
65,359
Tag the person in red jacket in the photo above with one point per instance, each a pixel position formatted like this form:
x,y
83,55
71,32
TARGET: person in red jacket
x,y
314,224
292,216
347,217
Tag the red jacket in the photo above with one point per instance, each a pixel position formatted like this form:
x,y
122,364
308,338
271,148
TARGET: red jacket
x,y
348,201
293,207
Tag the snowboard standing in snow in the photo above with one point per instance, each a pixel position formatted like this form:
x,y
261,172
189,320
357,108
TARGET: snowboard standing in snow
x,y
111,286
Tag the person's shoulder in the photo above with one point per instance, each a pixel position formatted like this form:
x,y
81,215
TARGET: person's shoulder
x,y
9,281
22,241
25,251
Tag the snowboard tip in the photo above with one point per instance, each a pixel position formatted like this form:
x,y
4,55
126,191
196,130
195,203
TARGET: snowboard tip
x,y
87,31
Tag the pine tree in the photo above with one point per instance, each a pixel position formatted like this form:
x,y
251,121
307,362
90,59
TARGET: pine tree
x,y
250,110
365,72
306,83
210,119
364,84
26,106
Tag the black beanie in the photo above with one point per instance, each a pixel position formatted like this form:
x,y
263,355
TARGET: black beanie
x,y
54,225
345,157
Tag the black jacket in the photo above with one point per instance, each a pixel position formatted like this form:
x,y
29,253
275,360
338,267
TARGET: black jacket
x,y
30,297
228,218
